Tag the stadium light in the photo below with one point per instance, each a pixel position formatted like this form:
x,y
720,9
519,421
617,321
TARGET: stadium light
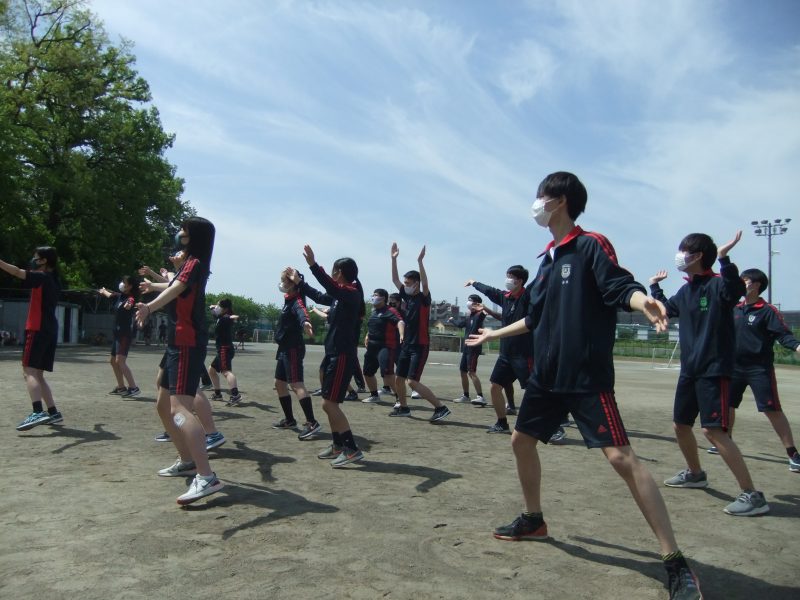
x,y
768,229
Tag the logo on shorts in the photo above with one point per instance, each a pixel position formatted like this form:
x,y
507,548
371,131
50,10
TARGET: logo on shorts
x,y
602,429
703,304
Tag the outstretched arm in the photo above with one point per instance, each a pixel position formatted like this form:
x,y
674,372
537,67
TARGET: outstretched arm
x,y
13,270
144,309
487,334
423,277
395,276
654,310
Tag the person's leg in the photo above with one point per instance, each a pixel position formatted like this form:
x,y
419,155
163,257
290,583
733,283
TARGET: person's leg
x,y
476,382
781,426
464,383
498,403
202,408
117,371
529,469
125,370
684,434
165,414
214,375
418,359
646,494
732,456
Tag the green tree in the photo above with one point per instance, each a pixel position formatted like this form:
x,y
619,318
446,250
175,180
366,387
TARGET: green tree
x,y
82,163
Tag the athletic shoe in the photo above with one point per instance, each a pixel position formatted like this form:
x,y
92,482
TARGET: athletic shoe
x,y
566,422
683,585
794,463
32,420
558,437
415,395
479,401
440,413
317,392
234,400
522,528
400,411
163,437
56,418
748,504
205,386
214,440
132,392
352,396
461,399
687,479
385,392
199,488
498,428
118,391
346,457
216,396
330,452
372,398
309,429
362,390
511,411
397,404
713,450
179,469
285,424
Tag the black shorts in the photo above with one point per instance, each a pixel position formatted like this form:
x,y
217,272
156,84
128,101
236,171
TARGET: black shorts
x,y
40,350
761,379
707,396
182,370
163,362
379,358
337,371
120,345
596,415
510,368
223,361
412,361
469,360
290,364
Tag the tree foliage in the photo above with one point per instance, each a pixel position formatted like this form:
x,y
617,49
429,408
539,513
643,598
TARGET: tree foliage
x,y
250,312
82,163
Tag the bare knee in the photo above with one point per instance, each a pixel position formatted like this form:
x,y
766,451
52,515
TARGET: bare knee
x,y
522,443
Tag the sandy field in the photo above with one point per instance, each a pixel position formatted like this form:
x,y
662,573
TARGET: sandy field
x,y
84,515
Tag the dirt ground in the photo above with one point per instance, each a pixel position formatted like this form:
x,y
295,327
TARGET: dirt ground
x,y
84,515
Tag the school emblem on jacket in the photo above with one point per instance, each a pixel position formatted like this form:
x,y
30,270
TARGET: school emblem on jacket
x,y
751,318
565,271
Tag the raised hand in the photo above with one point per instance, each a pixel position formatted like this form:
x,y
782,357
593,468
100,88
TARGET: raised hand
x,y
659,276
421,254
308,254
469,282
723,250
395,250
656,313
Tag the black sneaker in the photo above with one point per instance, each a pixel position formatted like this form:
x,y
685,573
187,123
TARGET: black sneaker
x,y
216,396
511,411
522,528
351,396
310,429
132,392
440,413
401,411
285,424
56,418
234,400
683,585
317,392
498,428
118,391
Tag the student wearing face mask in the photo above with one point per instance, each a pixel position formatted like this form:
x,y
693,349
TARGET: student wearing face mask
x,y
704,306
415,294
41,333
385,332
124,301
515,358
572,315
223,361
472,323
293,325
344,294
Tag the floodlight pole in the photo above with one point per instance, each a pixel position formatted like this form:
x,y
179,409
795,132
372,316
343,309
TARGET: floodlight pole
x,y
767,229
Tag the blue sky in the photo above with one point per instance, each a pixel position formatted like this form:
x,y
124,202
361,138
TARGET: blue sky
x,y
350,125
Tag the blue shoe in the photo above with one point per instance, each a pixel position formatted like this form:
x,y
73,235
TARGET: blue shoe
x,y
214,440
56,418
32,420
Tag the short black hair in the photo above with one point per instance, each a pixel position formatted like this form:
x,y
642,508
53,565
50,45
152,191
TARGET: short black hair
x,y
700,242
518,272
562,183
382,293
756,276
412,275
474,298
226,304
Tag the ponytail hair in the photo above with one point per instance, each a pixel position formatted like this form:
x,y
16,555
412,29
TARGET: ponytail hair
x,y
349,270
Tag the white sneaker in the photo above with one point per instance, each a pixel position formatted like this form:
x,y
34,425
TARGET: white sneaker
x,y
415,395
479,401
199,488
461,399
371,399
179,469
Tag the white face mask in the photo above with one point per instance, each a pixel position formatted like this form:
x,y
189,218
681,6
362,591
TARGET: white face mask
x,y
283,288
375,300
409,289
539,214
216,311
121,286
510,283
682,261
470,305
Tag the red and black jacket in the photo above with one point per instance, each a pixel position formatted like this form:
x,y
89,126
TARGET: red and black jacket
x,y
758,326
515,307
